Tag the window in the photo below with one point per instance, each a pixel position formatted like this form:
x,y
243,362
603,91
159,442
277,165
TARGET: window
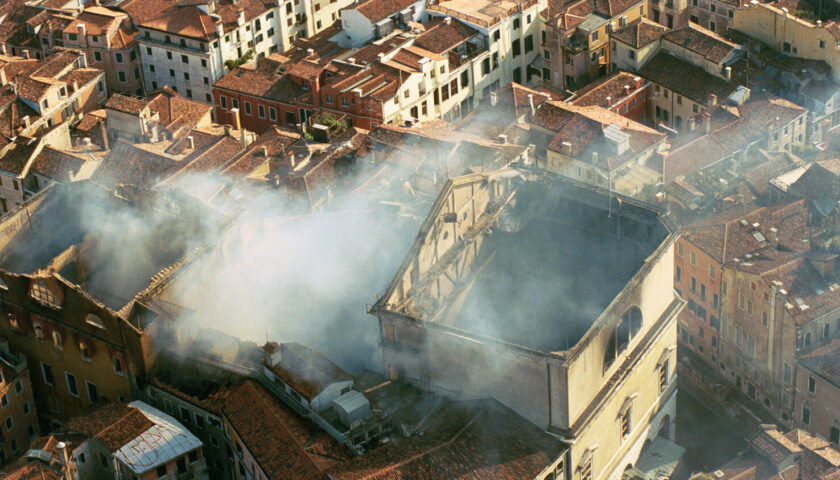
x,y
515,48
712,272
788,374
594,36
247,108
822,43
529,43
10,423
38,329
516,23
41,294
806,414
18,387
272,114
4,400
678,275
808,339
185,414
261,111
199,421
172,73
680,249
345,102
93,393
121,76
47,372
723,288
161,471
223,102
693,257
152,68
663,376
186,76
834,433
118,57
812,385
84,350
26,409
72,386
97,56
702,291
485,66
625,423
586,468
693,285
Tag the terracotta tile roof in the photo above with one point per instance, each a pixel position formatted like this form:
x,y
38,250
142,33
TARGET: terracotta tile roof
x,y
33,470
16,156
441,37
215,157
596,93
257,80
569,14
172,107
583,128
306,370
701,41
124,104
59,165
684,78
91,120
614,8
186,19
97,21
265,426
114,424
276,142
639,33
143,10
477,441
723,237
376,10
771,443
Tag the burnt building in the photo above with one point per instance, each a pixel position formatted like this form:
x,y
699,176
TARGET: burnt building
x,y
551,296
72,260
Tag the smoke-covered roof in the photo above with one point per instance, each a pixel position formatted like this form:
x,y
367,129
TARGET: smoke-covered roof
x,y
548,263
107,243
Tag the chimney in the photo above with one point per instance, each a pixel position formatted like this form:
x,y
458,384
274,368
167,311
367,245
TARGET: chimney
x,y
503,139
240,18
191,140
707,122
227,130
712,100
26,54
493,98
609,101
211,7
819,23
155,134
220,29
566,149
82,30
3,79
772,236
264,150
447,20
638,82
86,141
25,121
75,85
292,160
531,103
310,51
727,72
236,123
595,159
627,89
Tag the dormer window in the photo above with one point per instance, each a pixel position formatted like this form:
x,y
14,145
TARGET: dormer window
x,y
95,321
41,294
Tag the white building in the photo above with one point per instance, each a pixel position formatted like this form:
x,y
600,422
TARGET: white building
x,y
375,19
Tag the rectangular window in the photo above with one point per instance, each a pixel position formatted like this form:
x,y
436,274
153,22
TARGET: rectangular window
x,y
185,59
72,386
678,274
788,374
261,111
93,392
806,415
247,107
529,43
186,76
693,257
97,56
663,376
712,272
118,57
121,76
272,114
515,47
812,385
47,372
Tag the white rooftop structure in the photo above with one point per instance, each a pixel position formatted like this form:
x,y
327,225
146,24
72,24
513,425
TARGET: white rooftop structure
x,y
164,441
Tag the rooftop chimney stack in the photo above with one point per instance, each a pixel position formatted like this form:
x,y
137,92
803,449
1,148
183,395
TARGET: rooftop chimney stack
x,y
712,99
65,459
81,28
264,150
531,104
191,141
728,72
240,18
638,82
447,20
566,148
772,236
236,122
609,101
493,99
627,90
502,139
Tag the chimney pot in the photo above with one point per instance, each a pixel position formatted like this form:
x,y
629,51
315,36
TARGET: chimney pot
x,y
638,82
447,20
493,98
627,89
502,138
236,121
191,141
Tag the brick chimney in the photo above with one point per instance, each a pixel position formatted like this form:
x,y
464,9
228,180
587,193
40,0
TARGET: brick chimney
x,y
234,112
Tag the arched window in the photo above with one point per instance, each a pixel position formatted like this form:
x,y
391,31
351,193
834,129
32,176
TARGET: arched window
x,y
95,321
41,294
629,325
85,351
38,329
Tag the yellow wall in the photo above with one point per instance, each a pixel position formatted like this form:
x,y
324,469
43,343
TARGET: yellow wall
x,y
772,26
